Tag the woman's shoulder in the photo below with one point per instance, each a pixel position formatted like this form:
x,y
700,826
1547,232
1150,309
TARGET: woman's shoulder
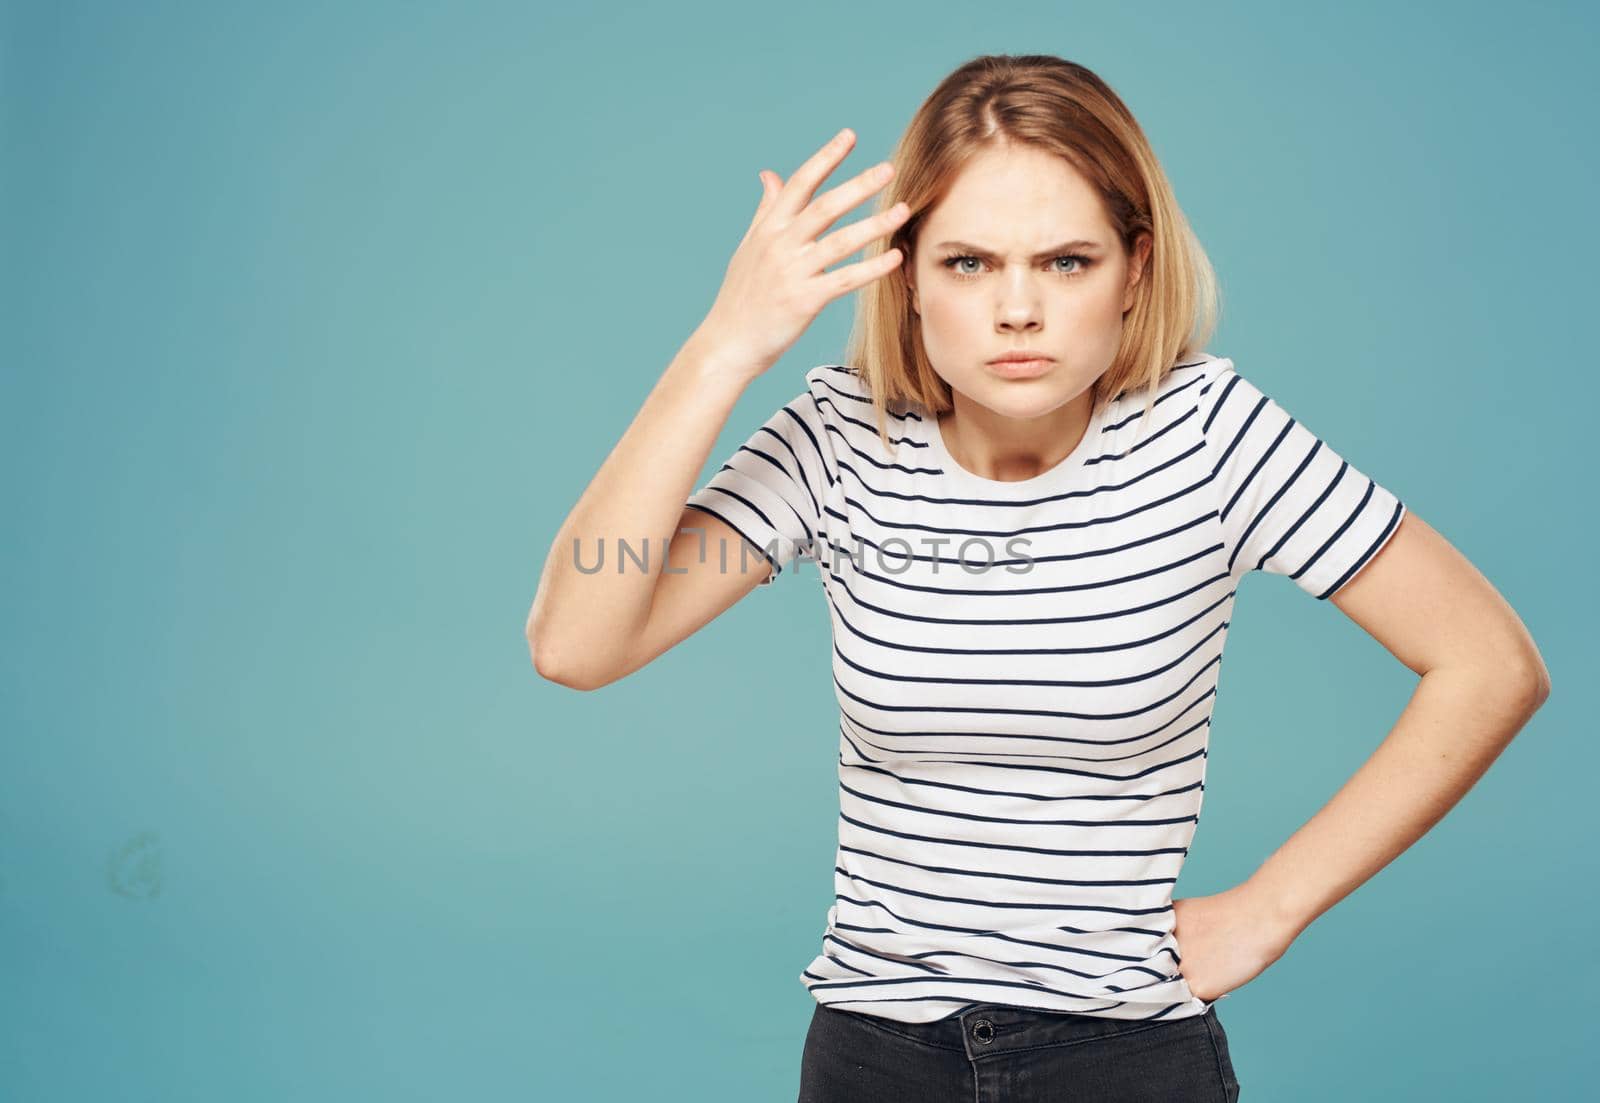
x,y
844,390
1180,389
837,379
844,400
1200,371
1191,385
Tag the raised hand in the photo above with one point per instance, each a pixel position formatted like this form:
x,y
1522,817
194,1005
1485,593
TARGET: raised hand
x,y
776,282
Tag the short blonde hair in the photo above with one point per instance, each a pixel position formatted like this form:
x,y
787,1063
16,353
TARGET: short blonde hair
x,y
1058,106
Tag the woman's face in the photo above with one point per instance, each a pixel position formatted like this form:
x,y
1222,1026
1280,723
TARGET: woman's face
x,y
1019,255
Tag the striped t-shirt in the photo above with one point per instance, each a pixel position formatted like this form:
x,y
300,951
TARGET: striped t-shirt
x,y
1026,672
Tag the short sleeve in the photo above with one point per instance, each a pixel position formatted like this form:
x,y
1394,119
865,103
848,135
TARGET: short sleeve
x,y
1288,503
771,489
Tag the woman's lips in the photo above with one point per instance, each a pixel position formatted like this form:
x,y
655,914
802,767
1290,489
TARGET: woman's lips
x,y
1020,369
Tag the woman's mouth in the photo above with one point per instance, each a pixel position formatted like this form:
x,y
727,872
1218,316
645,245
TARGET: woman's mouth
x,y
1020,369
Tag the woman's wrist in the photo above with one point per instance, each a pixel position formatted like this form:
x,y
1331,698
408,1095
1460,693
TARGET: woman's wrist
x,y
1279,911
719,361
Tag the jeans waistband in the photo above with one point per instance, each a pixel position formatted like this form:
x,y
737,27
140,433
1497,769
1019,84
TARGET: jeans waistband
x,y
989,1029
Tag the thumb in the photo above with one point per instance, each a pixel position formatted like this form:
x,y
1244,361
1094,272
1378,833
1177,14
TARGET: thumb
x,y
768,191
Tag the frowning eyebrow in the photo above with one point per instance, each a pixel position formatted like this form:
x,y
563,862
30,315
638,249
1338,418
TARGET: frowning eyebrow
x,y
1053,251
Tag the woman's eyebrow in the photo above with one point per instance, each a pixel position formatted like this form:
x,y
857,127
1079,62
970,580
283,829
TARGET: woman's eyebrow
x,y
1054,250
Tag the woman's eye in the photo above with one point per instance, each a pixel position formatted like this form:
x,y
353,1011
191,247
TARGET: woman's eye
x,y
1080,264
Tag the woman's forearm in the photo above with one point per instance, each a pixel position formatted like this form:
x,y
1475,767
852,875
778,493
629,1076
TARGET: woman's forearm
x,y
579,616
1457,722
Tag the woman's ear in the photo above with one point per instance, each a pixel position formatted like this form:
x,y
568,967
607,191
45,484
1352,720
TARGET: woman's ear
x,y
1136,266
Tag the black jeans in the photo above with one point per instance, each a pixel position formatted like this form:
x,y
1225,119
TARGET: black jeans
x,y
998,1054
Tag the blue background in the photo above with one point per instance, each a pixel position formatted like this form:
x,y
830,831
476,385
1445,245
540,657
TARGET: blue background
x,y
319,318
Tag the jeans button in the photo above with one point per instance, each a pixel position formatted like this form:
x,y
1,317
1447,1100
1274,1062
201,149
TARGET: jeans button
x,y
983,1031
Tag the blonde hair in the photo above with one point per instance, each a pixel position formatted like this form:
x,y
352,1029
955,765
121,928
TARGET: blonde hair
x,y
1061,107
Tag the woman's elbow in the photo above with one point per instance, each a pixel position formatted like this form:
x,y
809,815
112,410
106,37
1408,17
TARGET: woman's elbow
x,y
1524,671
1535,677
550,666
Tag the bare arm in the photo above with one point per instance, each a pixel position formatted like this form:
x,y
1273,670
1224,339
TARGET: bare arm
x,y
588,629
1482,679
582,626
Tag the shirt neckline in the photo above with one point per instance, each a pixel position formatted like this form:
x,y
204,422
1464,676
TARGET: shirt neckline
x,y
1046,481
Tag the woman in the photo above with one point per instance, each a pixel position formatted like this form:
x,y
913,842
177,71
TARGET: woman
x,y
1031,498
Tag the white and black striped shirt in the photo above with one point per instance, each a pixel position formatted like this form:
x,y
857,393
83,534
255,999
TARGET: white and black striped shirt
x,y
1026,673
